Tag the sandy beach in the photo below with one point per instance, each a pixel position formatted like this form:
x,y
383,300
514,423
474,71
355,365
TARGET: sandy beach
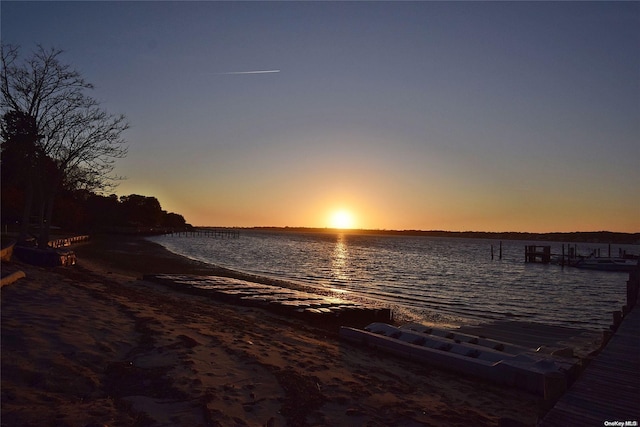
x,y
94,345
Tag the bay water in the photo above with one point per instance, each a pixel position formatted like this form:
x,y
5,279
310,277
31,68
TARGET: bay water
x,y
434,280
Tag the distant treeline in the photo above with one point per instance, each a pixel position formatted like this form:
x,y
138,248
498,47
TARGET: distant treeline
x,y
579,236
88,212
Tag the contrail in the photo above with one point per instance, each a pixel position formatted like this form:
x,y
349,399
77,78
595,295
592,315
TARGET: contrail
x,y
251,72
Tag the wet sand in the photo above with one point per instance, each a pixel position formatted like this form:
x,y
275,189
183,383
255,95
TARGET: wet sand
x,y
94,345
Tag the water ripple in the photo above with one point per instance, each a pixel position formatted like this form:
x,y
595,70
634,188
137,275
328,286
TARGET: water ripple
x,y
450,279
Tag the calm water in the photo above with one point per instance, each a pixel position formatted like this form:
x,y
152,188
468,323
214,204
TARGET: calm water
x,y
447,281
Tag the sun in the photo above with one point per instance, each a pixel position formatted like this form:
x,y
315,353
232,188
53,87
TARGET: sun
x,y
341,219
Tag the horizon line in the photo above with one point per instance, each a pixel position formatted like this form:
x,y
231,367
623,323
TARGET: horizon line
x,y
285,227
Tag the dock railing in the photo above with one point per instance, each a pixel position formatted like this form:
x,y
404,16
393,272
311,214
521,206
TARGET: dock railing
x,y
67,241
217,233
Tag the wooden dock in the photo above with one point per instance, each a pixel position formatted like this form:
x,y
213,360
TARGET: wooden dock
x,y
608,390
534,253
224,233
542,254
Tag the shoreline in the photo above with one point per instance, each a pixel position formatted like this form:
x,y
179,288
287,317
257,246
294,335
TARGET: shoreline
x,y
95,344
139,256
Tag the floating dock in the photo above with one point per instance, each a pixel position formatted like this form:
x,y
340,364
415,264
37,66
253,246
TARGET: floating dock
x,y
318,309
543,374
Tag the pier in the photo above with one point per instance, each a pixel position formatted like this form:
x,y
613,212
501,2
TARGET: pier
x,y
541,254
224,233
609,389
534,253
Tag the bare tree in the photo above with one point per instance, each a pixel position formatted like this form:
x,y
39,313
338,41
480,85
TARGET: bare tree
x,y
80,139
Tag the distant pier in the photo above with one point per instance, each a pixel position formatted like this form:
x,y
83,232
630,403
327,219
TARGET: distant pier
x,y
569,255
534,253
223,233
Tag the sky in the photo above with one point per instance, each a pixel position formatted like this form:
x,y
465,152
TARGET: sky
x,y
460,116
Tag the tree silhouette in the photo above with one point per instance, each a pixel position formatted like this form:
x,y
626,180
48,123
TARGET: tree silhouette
x,y
21,161
77,141
141,210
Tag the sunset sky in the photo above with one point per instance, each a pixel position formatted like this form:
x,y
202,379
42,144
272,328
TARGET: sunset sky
x,y
485,116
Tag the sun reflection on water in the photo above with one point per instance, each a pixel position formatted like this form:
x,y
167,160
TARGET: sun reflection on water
x,y
340,260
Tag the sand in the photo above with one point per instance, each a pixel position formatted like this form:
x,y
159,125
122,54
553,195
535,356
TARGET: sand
x,y
94,345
